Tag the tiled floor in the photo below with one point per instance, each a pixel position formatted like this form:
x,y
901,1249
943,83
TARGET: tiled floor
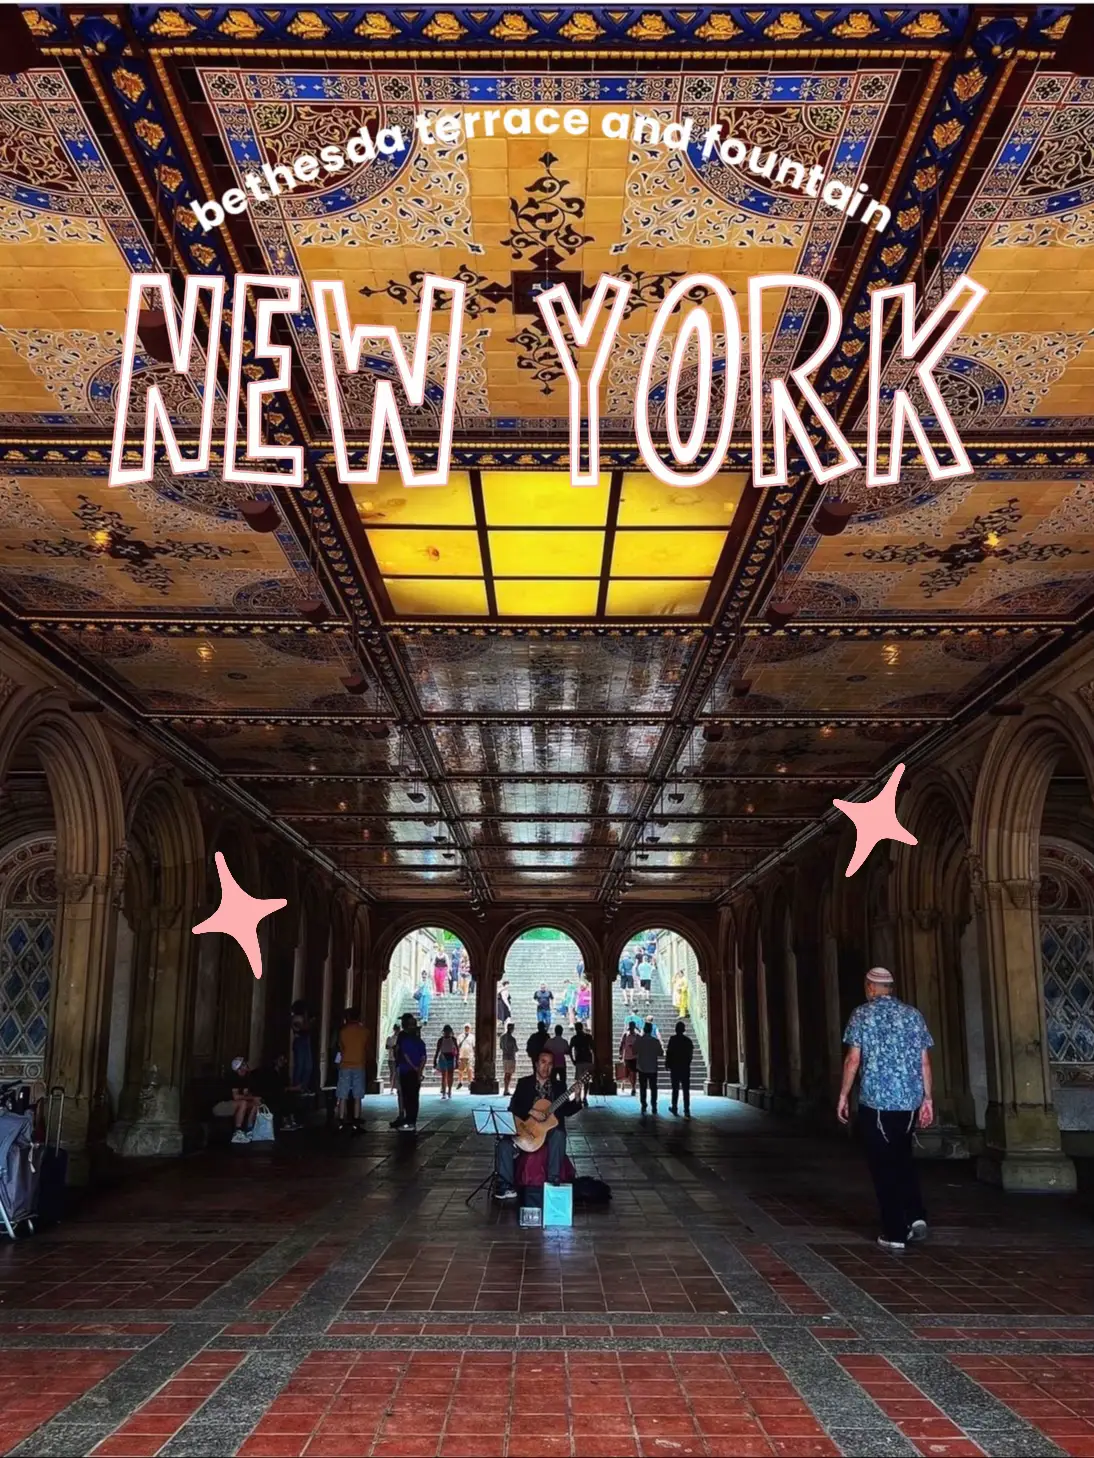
x,y
338,1298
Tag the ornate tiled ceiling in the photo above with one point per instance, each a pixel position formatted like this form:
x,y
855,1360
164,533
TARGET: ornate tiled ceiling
x,y
552,700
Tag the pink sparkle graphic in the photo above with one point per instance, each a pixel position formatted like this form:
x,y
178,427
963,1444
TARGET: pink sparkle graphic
x,y
238,915
875,820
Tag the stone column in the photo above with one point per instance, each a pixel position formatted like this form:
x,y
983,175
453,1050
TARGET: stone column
x,y
604,1034
1022,1134
368,1000
485,1080
793,1022
80,1028
150,1116
923,977
716,1032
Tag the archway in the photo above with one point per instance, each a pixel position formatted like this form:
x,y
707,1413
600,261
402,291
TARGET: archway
x,y
544,981
659,979
1042,767
432,975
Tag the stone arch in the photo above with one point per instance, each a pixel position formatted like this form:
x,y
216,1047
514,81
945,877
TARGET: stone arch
x,y
155,956
1022,1146
625,928
1014,777
89,818
556,920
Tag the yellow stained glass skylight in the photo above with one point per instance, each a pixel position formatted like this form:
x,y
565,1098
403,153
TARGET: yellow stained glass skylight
x,y
655,599
390,503
554,554
533,598
424,553
532,545
666,554
543,499
437,597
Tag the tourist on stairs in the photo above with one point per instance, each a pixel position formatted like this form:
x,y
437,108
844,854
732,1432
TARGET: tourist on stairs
x,y
888,1043
444,1059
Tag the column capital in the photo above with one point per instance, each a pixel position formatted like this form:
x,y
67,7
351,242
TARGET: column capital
x,y
927,918
1018,894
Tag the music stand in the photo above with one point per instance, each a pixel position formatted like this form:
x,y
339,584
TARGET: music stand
x,y
501,1124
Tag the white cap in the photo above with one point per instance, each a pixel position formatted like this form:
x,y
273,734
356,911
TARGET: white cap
x,y
237,1064
880,976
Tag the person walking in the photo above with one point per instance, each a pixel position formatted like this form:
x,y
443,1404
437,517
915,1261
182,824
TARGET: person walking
x,y
567,1003
466,1058
627,1045
581,1051
411,1056
543,998
454,968
678,1056
626,976
505,1002
440,977
584,1000
559,1049
888,1044
648,1052
303,1063
508,1056
423,996
444,1059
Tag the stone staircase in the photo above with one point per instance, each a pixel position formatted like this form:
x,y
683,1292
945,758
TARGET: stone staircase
x,y
528,964
664,1014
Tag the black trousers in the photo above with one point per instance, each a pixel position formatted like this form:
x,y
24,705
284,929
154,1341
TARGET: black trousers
x,y
411,1085
647,1084
680,1078
887,1135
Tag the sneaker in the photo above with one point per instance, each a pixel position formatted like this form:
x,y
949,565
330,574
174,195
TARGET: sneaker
x,y
917,1231
396,1124
240,1138
896,1246
504,1195
687,1113
671,1110
409,1128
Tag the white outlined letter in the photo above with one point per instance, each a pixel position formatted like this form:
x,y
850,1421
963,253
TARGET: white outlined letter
x,y
582,331
912,339
783,410
182,349
258,390
413,378
696,322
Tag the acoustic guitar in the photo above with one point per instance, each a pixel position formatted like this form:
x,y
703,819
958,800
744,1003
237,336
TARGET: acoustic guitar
x,y
531,1132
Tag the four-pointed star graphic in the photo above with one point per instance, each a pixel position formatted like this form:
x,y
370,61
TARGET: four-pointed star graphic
x,y
238,915
875,820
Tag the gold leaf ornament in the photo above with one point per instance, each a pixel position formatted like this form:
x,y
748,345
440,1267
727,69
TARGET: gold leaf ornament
x,y
718,28
151,133
171,24
969,85
376,26
788,26
444,27
241,24
651,27
946,133
308,26
128,84
926,26
37,23
581,26
512,27
857,26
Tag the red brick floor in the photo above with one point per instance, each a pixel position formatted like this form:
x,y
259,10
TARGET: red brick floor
x,y
39,1383
530,1403
327,1298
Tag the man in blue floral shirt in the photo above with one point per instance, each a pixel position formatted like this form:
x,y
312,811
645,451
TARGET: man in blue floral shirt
x,y
888,1042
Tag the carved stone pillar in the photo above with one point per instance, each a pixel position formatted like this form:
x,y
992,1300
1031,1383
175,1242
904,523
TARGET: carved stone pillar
x,y
79,1035
150,1112
923,974
603,1034
716,1033
371,983
485,1080
1022,1134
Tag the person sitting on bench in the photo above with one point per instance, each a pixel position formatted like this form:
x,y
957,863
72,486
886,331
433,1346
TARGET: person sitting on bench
x,y
534,1086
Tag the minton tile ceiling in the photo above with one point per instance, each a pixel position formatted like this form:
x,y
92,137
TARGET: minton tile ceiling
x,y
552,676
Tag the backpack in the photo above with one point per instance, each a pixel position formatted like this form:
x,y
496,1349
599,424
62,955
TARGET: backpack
x,y
592,1191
